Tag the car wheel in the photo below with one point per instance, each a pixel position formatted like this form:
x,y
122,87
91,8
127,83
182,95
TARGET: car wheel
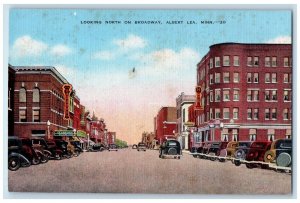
x,y
284,159
44,159
58,156
178,157
249,165
240,154
212,158
237,162
14,163
35,161
269,156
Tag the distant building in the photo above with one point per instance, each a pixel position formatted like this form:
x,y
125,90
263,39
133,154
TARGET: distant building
x,y
246,92
165,124
183,102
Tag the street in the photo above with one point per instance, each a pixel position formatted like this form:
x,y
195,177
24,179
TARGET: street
x,y
130,171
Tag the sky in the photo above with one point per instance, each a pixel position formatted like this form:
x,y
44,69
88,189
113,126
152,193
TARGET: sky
x,y
98,58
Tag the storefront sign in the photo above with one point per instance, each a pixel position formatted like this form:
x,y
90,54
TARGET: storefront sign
x,y
67,89
198,98
68,133
81,133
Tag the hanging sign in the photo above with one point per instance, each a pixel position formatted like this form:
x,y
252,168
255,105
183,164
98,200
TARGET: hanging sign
x,y
198,98
67,89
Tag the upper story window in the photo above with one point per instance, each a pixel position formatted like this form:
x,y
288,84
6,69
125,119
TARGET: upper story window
x,y
286,62
217,95
217,113
249,114
226,61
22,115
256,61
249,61
36,95
226,77
226,95
236,77
211,113
274,77
286,78
255,77
22,95
217,62
255,114
274,61
267,78
267,61
249,77
236,61
226,113
211,96
211,79
287,95
235,113
211,63
217,77
236,95
9,99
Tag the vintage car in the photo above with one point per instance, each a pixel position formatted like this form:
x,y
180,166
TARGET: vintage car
x,y
280,152
214,149
63,146
16,156
141,147
95,147
112,147
241,151
170,148
256,152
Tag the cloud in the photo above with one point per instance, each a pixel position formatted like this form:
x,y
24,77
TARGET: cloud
x,y
60,50
104,55
25,46
280,40
131,42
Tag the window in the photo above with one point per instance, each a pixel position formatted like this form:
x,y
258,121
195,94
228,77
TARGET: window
x,y
274,95
267,61
252,134
22,115
274,78
249,61
255,95
267,114
249,114
235,136
255,76
22,95
236,61
183,115
235,113
226,61
211,79
211,63
286,78
274,61
286,62
36,95
286,95
256,62
249,77
36,115
217,95
226,77
236,95
285,114
249,95
217,62
267,78
274,114
267,95
236,77
9,100
224,137
217,113
211,113
226,113
255,114
226,95
217,77
271,137
71,105
211,96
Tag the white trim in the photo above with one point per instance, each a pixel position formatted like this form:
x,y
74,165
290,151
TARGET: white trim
x,y
287,89
54,111
21,107
253,89
35,108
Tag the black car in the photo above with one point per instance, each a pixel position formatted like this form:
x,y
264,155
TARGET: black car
x,y
17,157
112,147
170,148
141,147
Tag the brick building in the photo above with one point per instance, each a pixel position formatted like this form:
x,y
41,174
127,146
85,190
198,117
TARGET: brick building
x,y
246,92
165,123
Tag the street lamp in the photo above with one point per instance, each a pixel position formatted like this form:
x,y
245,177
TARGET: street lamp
x,y
74,132
48,125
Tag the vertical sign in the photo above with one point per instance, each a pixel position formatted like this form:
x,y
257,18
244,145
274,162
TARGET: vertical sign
x,y
67,89
198,98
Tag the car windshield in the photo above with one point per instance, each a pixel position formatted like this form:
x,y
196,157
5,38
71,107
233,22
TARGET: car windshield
x,y
244,144
285,145
172,144
141,144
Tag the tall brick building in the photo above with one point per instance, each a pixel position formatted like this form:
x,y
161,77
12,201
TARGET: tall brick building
x,y
246,92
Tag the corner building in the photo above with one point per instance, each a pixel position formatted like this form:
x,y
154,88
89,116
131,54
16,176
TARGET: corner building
x,y
246,92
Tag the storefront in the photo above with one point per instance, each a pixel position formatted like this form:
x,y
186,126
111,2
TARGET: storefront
x,y
82,137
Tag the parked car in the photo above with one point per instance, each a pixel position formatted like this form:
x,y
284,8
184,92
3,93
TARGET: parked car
x,y
37,150
16,156
222,151
50,150
280,152
63,146
112,147
241,151
170,148
95,147
141,147
134,146
231,148
256,152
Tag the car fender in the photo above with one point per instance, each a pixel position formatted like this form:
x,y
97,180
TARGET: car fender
x,y
20,156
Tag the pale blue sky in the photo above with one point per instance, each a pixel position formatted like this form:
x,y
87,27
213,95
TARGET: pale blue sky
x,y
97,59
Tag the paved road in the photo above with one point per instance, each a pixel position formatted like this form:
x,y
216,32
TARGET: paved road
x,y
130,171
